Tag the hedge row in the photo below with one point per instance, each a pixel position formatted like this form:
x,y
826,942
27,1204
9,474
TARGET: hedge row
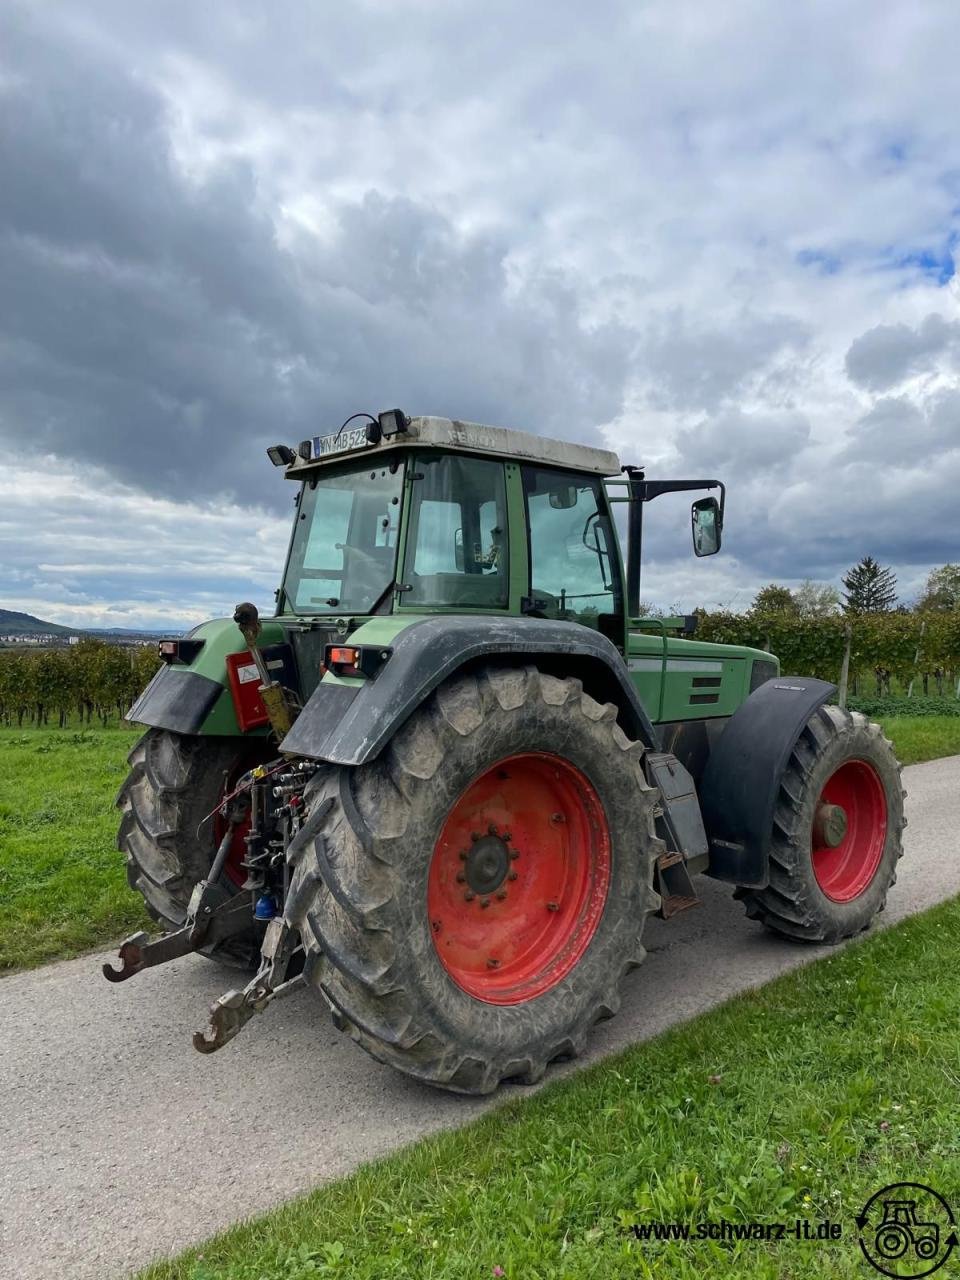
x,y
884,708
906,645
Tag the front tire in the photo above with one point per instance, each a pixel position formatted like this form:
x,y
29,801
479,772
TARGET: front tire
x,y
469,900
837,837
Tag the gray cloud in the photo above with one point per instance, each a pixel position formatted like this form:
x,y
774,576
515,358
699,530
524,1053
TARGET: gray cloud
x,y
698,365
221,227
155,325
890,353
745,444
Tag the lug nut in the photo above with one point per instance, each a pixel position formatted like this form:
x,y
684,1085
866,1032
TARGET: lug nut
x,y
461,878
501,896
474,836
557,818
514,855
484,902
512,875
463,855
493,964
492,829
506,837
552,906
437,925
469,895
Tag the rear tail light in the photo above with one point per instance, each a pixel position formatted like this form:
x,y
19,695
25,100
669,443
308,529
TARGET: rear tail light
x,y
180,651
342,656
354,660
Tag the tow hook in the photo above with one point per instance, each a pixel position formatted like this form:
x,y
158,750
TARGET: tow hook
x,y
234,1009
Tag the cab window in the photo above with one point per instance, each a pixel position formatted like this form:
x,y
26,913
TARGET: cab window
x,y
574,570
457,540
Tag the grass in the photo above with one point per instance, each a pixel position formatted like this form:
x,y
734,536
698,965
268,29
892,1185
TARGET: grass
x,y
919,738
63,887
798,1100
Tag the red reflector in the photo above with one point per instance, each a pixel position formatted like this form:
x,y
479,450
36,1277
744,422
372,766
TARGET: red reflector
x,y
341,655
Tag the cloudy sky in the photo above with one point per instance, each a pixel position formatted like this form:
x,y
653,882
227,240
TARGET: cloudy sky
x,y
719,237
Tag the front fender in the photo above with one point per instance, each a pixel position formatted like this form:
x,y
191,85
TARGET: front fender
x,y
349,724
738,789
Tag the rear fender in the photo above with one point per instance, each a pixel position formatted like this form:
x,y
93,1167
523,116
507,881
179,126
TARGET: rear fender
x,y
351,723
738,789
193,697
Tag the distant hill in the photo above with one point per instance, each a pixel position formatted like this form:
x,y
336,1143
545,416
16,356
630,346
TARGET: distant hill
x,y
13,623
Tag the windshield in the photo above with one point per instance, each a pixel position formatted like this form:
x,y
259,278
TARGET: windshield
x,y
344,550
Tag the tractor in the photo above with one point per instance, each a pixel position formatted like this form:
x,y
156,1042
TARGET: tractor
x,y
447,782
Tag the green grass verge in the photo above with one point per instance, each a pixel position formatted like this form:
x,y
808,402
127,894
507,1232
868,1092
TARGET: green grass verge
x,y
63,885
63,888
918,738
799,1100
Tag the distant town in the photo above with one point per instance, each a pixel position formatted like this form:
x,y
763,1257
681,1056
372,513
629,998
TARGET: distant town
x,y
22,630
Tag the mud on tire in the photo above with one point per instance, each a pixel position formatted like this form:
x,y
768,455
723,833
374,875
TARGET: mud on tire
x,y
362,862
175,781
798,902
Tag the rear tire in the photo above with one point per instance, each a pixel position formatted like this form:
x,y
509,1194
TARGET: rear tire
x,y
175,782
393,945
826,886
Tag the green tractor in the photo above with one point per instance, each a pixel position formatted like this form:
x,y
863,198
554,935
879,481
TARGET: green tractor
x,y
445,785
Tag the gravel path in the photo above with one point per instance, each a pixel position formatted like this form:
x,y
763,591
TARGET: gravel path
x,y
120,1143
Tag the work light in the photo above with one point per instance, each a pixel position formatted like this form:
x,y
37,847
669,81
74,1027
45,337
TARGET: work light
x,y
281,455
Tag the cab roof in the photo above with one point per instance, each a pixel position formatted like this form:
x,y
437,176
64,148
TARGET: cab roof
x,y
466,437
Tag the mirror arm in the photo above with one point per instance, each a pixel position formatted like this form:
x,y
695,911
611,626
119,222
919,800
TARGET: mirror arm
x,y
651,489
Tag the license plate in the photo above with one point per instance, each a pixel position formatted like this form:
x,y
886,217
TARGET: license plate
x,y
355,438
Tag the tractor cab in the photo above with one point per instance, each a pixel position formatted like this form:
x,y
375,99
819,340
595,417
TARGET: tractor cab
x,y
417,515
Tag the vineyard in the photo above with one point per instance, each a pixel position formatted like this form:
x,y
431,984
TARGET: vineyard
x,y
93,680
918,648
89,681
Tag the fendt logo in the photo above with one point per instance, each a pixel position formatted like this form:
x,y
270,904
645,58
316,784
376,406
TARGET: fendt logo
x,y
907,1230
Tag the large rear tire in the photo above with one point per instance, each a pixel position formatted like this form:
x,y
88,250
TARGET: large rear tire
x,y
837,837
175,782
470,900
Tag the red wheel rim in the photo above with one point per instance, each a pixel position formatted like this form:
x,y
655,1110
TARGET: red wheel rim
x,y
519,878
845,869
233,868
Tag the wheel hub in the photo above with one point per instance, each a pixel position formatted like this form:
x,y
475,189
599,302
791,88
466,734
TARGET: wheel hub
x,y
849,830
830,825
518,878
487,864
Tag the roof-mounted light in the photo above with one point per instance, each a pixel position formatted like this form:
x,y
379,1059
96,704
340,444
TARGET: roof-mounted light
x,y
392,422
281,455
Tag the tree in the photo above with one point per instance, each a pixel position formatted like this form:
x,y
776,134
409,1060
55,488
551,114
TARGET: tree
x,y
942,592
774,599
869,588
816,599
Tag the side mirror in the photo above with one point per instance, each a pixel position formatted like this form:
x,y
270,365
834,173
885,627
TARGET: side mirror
x,y
707,526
